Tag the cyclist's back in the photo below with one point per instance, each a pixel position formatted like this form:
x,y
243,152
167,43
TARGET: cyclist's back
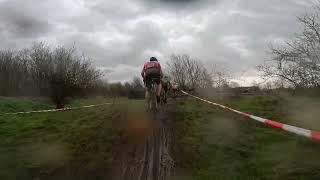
x,y
152,72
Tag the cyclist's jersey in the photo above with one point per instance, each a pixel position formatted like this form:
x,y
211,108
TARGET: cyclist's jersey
x,y
151,72
151,65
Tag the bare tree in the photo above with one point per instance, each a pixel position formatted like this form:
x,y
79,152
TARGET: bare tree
x,y
14,73
298,62
177,70
136,90
205,80
188,73
194,70
40,61
137,83
220,76
60,74
70,75
102,87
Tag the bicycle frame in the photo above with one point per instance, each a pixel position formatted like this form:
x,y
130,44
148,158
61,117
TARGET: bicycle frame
x,y
152,104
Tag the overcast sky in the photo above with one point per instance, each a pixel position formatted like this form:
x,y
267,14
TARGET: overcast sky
x,y
120,35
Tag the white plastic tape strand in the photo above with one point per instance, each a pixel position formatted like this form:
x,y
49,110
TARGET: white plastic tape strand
x,y
300,131
55,110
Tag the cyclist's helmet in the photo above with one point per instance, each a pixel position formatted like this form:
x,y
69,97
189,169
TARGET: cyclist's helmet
x,y
153,59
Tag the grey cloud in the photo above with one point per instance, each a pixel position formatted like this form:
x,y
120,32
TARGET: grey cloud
x,y
258,23
20,23
124,33
178,1
124,73
145,37
178,6
110,11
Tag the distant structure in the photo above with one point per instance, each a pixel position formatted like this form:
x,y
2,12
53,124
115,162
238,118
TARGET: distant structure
x,y
226,91
250,90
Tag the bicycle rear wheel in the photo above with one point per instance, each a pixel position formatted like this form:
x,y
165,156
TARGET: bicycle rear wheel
x,y
154,97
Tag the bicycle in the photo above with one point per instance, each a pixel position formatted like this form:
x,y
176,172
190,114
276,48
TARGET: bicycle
x,y
153,104
163,96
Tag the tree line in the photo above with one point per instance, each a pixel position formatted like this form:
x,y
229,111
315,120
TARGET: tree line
x,y
59,73
132,90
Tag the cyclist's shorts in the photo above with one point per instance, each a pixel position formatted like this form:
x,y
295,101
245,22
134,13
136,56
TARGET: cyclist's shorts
x,y
152,74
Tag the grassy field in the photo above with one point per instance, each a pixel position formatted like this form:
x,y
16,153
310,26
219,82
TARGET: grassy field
x,y
76,143
209,143
213,144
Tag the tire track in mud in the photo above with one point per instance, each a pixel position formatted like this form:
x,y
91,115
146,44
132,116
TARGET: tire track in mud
x,y
150,158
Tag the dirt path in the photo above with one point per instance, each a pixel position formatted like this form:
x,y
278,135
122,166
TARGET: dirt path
x,y
149,157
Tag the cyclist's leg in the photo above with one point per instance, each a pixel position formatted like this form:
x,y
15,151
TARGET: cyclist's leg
x,y
158,92
164,92
157,78
162,95
154,75
147,92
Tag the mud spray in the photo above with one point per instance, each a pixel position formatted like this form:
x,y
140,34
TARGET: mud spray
x,y
145,154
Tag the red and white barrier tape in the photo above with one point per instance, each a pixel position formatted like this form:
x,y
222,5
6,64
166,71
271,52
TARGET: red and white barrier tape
x,y
55,110
300,131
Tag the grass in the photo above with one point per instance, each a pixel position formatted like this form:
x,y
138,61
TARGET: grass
x,y
209,142
74,144
13,104
214,144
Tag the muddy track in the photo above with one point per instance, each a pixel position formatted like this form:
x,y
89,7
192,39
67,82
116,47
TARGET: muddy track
x,y
151,158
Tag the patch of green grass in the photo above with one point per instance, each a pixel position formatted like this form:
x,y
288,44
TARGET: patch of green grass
x,y
12,104
214,144
75,144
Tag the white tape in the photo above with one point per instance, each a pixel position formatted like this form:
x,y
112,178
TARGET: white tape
x,y
55,110
258,118
297,130
300,131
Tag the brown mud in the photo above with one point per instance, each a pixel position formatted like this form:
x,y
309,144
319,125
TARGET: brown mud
x,y
144,153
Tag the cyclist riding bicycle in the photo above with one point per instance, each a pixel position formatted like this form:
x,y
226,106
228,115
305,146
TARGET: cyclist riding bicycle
x,y
166,85
152,71
175,89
